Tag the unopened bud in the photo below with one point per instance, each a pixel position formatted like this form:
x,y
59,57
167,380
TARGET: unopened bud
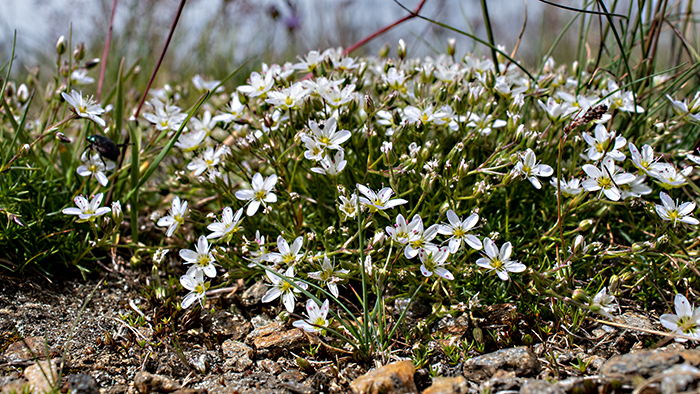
x,y
451,42
614,284
10,89
580,296
401,50
595,308
62,137
79,51
586,224
638,247
117,215
384,51
391,99
24,150
369,104
23,93
92,63
61,45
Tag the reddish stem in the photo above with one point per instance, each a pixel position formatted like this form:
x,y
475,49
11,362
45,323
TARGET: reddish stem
x,y
160,60
384,29
103,66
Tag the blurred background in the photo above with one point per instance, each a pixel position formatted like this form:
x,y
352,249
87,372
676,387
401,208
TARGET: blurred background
x,y
215,36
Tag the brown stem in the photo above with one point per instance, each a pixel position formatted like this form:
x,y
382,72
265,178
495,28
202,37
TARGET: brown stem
x,y
103,66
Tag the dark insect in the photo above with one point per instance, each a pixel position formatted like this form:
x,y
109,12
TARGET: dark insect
x,y
104,146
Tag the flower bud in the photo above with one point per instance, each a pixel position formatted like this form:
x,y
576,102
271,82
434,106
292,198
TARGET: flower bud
x,y
62,137
23,93
614,284
10,89
384,51
369,105
451,42
92,63
61,45
595,308
586,224
390,100
580,296
638,247
79,51
24,150
401,50
117,215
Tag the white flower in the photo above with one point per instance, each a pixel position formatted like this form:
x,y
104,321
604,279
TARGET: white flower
x,y
166,116
327,135
604,303
193,281
420,239
316,317
395,79
258,249
288,97
80,77
261,192
620,99
606,178
282,287
687,108
386,118
310,62
685,321
201,257
315,150
201,84
328,275
556,112
636,188
568,189
189,142
234,111
228,225
414,115
348,206
208,160
336,97
286,254
644,161
499,261
206,123
403,231
85,107
485,123
331,167
458,230
668,175
175,218
87,210
433,261
159,255
528,168
601,143
259,86
380,200
95,166
670,210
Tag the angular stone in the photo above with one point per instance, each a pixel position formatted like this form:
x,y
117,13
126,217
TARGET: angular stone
x,y
254,294
239,355
394,378
227,324
275,337
454,326
646,363
265,330
14,386
147,383
42,377
18,352
532,386
82,383
443,385
520,360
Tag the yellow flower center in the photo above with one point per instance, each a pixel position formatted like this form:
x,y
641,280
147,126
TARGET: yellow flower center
x,y
605,183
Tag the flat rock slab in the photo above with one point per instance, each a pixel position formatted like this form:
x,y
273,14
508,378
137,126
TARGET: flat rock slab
x,y
646,363
442,385
520,360
31,349
394,378
148,383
